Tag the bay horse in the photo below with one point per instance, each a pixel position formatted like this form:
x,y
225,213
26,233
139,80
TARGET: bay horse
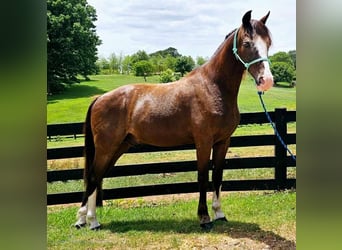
x,y
200,109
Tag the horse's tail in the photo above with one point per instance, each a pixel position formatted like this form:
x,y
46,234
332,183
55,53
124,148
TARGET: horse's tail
x,y
90,180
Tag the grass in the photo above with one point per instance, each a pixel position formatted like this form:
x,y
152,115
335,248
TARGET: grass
x,y
256,220
71,106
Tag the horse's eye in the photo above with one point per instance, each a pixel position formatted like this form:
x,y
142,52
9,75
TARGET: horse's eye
x,y
246,44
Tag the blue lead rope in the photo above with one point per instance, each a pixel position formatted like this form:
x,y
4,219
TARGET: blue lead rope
x,y
274,128
247,65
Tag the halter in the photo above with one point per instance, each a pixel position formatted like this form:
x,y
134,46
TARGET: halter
x,y
247,65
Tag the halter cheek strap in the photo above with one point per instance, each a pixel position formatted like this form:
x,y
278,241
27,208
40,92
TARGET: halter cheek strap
x,y
247,65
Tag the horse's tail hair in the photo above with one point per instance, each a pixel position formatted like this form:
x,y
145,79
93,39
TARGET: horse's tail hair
x,y
89,147
89,153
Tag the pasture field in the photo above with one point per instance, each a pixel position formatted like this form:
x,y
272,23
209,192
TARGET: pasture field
x,y
71,106
257,220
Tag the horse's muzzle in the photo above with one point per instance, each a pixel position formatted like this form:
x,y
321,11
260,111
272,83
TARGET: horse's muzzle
x,y
265,83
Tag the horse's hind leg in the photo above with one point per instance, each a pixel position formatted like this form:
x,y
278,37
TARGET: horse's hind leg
x,y
101,164
89,193
219,153
81,216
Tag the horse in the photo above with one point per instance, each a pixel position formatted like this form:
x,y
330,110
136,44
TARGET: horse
x,y
200,108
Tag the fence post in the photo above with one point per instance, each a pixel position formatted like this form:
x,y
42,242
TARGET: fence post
x,y
280,151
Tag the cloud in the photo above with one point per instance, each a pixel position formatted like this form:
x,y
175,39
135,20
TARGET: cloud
x,y
193,27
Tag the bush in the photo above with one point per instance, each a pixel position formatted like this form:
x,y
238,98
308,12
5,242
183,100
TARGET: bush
x,y
282,72
167,76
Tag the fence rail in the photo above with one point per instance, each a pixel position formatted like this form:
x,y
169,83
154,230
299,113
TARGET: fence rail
x,y
280,161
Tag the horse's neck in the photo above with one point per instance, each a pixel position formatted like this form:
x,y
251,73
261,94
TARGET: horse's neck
x,y
224,70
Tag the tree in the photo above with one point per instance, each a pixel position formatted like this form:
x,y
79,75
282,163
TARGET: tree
x,y
281,57
200,60
127,65
120,59
166,52
113,63
282,72
143,68
71,41
158,63
184,64
293,56
170,62
103,65
282,67
140,55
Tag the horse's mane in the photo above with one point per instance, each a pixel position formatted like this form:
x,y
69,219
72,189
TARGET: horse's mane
x,y
260,29
221,45
230,33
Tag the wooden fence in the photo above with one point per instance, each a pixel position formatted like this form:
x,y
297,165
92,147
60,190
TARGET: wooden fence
x,y
280,161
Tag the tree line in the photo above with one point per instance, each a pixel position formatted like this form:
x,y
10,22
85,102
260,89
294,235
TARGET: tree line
x,y
72,52
143,64
171,65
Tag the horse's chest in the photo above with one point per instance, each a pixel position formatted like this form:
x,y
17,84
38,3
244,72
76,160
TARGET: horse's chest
x,y
225,122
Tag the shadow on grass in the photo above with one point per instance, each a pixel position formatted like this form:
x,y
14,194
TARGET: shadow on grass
x,y
282,85
76,90
232,229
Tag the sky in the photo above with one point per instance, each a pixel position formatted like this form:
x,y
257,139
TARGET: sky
x,y
193,27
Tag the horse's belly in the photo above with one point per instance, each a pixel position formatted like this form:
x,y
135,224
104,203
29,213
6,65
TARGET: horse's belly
x,y
161,133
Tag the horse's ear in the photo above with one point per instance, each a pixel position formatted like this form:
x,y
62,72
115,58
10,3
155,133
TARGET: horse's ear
x,y
264,19
246,19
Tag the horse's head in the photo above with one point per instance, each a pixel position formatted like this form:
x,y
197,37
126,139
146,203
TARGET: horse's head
x,y
251,43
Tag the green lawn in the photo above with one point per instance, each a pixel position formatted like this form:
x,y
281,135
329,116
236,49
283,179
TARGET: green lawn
x,y
257,220
71,106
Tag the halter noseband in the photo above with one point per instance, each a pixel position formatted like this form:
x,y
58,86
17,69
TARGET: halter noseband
x,y
247,65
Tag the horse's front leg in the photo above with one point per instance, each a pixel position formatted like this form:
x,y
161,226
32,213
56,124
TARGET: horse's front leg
x,y
203,157
219,154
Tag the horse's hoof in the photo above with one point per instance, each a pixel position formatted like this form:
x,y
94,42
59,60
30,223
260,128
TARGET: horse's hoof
x,y
207,226
222,219
79,226
96,228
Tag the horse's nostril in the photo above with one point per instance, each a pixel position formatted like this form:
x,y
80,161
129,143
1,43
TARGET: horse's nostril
x,y
261,81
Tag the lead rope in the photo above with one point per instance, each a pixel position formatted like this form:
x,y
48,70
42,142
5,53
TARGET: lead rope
x,y
247,65
274,128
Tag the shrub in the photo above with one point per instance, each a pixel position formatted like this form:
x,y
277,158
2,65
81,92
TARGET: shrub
x,y
167,76
282,72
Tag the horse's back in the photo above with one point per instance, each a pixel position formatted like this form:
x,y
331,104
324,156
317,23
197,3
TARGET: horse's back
x,y
161,114
157,114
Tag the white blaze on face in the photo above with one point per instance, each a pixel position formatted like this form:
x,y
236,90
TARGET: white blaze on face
x,y
265,78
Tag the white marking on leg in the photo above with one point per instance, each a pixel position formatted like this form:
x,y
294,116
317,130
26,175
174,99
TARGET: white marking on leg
x,y
218,214
91,213
81,216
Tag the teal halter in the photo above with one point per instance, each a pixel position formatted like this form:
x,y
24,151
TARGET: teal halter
x,y
247,65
